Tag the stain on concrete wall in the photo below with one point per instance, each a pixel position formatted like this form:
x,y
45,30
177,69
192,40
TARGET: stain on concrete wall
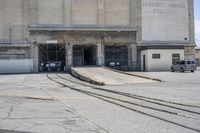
x,y
14,53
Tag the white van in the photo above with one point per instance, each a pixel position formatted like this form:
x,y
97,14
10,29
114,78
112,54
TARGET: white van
x,y
184,65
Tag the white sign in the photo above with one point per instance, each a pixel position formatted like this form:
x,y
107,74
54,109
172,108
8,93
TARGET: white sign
x,y
52,41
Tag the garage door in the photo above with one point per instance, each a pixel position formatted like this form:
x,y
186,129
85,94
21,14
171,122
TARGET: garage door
x,y
16,66
116,57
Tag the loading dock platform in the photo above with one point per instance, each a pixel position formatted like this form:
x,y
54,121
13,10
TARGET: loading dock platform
x,y
102,76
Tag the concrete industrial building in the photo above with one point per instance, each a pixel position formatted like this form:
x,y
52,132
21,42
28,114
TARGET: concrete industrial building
x,y
197,56
145,35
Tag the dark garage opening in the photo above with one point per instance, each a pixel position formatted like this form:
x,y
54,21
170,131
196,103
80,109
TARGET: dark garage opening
x,y
52,57
84,55
116,57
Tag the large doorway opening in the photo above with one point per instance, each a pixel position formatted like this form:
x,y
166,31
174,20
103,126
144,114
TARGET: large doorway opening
x,y
52,57
116,57
144,63
84,55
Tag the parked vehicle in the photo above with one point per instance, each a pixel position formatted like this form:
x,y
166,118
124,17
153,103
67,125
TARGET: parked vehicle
x,y
184,65
53,66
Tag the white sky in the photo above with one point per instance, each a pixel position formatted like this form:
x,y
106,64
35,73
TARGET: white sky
x,y
197,31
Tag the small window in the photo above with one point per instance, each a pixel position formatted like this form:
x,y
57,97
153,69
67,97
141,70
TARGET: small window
x,y
175,58
155,56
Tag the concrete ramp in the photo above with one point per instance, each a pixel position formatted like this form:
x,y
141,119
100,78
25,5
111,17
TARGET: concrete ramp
x,y
102,76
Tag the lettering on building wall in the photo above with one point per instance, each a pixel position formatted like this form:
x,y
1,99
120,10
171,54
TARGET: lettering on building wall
x,y
165,20
163,6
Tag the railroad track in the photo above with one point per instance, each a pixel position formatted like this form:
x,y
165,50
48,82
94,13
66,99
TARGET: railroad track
x,y
175,110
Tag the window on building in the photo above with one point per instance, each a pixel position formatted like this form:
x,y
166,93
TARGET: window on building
x,y
155,56
175,58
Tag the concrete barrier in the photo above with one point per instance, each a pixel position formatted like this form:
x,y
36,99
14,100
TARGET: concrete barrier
x,y
102,76
136,75
85,78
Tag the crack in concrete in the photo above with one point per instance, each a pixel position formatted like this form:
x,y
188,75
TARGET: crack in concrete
x,y
90,131
10,112
68,130
11,131
71,117
27,97
38,98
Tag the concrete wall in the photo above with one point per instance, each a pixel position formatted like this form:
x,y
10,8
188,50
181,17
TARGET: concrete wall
x,y
165,61
189,53
11,13
18,14
50,12
165,20
117,12
16,66
14,53
197,56
155,20
84,12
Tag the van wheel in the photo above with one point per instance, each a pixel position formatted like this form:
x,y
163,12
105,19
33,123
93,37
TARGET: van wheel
x,y
182,70
172,70
192,71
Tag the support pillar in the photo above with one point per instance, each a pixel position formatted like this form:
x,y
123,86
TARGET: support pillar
x,y
34,56
100,54
69,56
132,57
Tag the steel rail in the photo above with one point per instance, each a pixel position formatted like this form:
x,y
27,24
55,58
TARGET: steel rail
x,y
105,98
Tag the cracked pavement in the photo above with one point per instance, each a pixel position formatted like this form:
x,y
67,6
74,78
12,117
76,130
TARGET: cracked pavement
x,y
24,107
31,103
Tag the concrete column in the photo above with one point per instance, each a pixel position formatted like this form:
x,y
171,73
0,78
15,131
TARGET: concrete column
x,y
101,12
132,57
67,12
136,17
69,56
34,56
100,54
191,21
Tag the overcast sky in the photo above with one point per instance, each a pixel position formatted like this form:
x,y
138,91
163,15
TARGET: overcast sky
x,y
197,21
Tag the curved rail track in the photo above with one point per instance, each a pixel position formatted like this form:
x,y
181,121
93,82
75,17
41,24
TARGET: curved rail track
x,y
129,95
174,108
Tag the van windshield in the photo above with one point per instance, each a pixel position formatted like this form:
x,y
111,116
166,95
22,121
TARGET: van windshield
x,y
193,62
181,62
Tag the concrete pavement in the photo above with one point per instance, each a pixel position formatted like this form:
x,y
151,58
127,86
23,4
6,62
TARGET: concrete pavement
x,y
33,103
26,107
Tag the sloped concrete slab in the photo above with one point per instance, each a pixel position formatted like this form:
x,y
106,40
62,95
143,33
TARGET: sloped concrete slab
x,y
100,76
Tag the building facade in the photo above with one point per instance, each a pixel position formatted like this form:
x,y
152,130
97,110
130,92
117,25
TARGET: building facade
x,y
145,35
197,56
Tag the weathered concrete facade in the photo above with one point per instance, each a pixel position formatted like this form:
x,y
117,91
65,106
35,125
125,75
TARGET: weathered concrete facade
x,y
197,56
135,24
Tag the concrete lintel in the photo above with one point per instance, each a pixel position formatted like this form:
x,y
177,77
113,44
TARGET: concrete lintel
x,y
170,42
15,45
14,41
165,44
119,28
160,47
